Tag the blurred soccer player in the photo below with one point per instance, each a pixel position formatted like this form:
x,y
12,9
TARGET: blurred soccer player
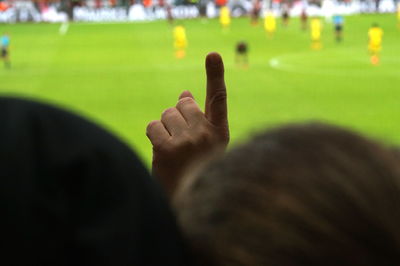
x,y
164,5
180,41
316,30
202,6
285,15
304,19
375,35
225,17
170,17
241,58
270,23
255,12
5,45
338,22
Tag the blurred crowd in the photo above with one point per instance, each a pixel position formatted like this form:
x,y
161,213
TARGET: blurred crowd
x,y
123,10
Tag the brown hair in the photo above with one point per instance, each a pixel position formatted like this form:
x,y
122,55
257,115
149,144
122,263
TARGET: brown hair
x,y
305,194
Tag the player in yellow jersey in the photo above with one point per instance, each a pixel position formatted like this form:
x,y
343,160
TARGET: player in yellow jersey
x,y
316,30
180,41
225,17
270,23
375,35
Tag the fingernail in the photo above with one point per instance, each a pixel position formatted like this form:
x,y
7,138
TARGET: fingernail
x,y
185,99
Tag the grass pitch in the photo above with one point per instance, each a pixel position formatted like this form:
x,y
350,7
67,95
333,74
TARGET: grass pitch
x,y
125,75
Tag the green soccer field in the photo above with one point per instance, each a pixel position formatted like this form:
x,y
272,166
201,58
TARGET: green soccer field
x,y
125,75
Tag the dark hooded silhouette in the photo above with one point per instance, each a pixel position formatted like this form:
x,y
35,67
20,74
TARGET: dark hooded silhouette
x,y
73,194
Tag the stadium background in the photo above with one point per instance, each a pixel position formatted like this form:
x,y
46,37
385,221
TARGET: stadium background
x,y
122,73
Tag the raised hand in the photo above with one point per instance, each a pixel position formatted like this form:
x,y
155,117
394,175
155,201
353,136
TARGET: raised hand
x,y
185,134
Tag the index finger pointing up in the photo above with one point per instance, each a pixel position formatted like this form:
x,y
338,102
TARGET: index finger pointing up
x,y
216,106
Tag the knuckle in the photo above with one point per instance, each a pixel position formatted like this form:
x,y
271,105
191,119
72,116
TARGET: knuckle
x,y
170,112
185,100
218,97
151,125
183,141
185,103
157,146
162,147
202,137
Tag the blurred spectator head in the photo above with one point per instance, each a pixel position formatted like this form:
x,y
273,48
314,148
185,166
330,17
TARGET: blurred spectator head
x,y
306,194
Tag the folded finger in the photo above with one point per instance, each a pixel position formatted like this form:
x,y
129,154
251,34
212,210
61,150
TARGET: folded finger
x,y
185,94
157,133
190,111
173,121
